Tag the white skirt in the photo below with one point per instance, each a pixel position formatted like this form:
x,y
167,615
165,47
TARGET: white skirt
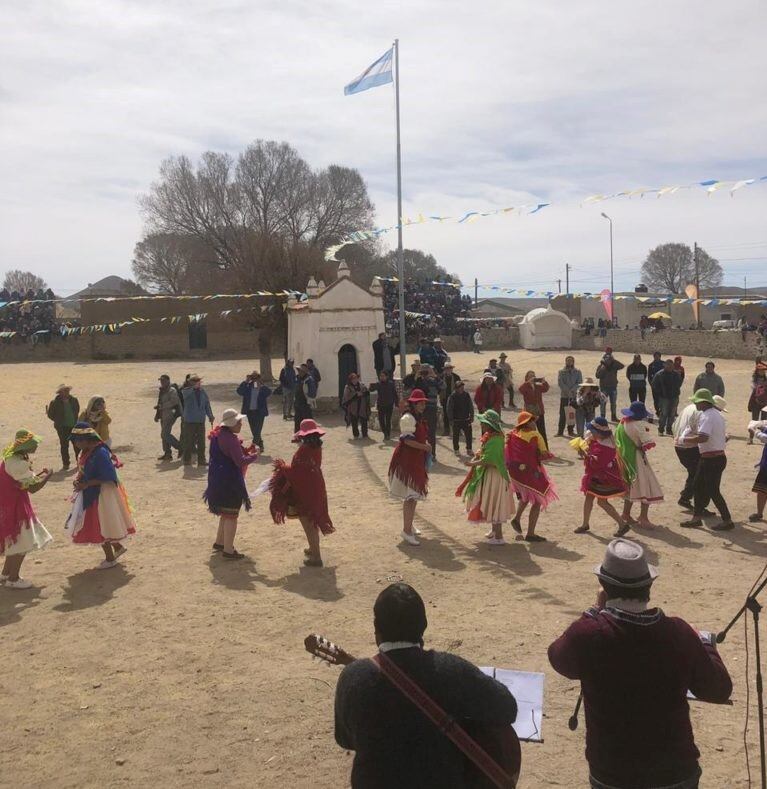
x,y
32,537
399,490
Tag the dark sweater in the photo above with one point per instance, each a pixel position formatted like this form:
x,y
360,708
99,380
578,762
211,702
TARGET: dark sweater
x,y
635,670
460,407
667,384
395,744
387,393
637,375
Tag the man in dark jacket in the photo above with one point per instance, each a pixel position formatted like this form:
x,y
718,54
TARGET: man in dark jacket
x,y
254,395
432,386
607,373
385,355
305,392
460,413
395,744
636,372
288,380
655,366
63,411
666,386
450,379
385,401
635,666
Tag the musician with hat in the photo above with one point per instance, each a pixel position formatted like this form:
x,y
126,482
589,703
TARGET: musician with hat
x,y
635,666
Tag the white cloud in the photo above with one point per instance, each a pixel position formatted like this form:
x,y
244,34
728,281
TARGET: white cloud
x,y
502,103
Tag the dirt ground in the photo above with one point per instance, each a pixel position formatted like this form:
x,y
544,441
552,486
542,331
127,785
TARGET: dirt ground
x,y
175,669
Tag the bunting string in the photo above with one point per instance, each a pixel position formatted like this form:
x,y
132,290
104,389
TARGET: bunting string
x,y
710,185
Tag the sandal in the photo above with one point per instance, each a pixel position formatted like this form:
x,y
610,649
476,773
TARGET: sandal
x,y
312,561
517,526
623,530
233,555
534,538
581,530
755,518
217,546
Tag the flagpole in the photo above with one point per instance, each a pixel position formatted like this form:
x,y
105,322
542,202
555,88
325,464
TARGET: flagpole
x,y
400,253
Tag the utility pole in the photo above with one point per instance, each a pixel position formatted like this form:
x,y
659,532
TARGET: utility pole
x,y
559,286
476,288
698,323
567,289
745,288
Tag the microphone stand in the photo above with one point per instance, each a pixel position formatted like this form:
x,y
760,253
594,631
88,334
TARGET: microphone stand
x,y
752,605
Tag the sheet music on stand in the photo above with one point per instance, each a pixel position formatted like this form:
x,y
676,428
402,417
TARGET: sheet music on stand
x,y
527,689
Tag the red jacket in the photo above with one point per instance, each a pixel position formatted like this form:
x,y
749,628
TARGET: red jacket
x,y
489,397
533,394
635,671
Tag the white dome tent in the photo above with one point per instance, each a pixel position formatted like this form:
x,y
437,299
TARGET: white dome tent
x,y
545,328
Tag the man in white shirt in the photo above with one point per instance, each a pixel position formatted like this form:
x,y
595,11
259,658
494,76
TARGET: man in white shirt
x,y
477,341
710,436
688,455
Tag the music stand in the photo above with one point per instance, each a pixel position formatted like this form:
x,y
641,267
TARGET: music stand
x,y
752,605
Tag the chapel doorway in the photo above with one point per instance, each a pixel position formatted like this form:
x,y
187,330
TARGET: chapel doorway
x,y
347,363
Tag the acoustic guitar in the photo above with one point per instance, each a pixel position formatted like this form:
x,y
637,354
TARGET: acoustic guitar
x,y
499,742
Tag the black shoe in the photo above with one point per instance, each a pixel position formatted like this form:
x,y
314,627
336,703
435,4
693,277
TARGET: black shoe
x,y
217,546
723,526
559,435
693,523
232,555
685,503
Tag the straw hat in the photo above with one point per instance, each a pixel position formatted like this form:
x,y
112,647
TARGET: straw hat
x,y
589,382
720,403
231,417
625,565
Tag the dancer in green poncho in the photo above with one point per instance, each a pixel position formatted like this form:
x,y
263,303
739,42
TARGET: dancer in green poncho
x,y
486,487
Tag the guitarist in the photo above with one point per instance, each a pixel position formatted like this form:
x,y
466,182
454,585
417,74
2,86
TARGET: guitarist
x,y
395,744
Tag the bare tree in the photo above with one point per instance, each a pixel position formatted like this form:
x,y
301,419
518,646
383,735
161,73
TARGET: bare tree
x,y
265,218
22,281
174,264
670,267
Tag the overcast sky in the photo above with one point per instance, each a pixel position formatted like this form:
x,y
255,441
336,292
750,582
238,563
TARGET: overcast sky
x,y
503,103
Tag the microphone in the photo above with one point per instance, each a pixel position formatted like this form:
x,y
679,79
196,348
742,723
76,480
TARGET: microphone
x,y
572,723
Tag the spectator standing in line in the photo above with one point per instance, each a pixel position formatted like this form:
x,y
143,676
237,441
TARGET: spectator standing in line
x,y
384,355
532,391
607,374
450,379
410,380
254,395
710,436
757,402
431,386
440,356
395,744
710,380
303,400
427,353
314,371
568,380
477,341
386,390
655,366
63,411
460,411
488,394
167,411
196,405
666,386
355,402
678,369
288,383
508,377
635,666
636,373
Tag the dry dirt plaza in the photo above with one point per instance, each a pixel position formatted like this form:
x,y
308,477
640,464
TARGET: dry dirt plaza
x,y
176,669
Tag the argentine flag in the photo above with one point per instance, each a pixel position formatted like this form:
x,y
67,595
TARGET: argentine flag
x,y
379,73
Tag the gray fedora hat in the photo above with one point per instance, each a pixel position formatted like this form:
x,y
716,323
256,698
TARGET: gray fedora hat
x,y
625,565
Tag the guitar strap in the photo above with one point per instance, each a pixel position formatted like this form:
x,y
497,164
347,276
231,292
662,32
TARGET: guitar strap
x,y
444,722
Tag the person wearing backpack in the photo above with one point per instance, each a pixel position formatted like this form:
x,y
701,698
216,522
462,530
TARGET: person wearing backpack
x,y
167,411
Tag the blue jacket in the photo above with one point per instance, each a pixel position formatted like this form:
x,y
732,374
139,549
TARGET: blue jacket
x,y
288,378
427,354
245,390
195,411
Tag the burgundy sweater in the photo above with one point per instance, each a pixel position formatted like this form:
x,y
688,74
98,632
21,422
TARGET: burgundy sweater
x,y
635,670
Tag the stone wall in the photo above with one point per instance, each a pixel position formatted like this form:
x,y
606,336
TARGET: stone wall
x,y
673,342
493,339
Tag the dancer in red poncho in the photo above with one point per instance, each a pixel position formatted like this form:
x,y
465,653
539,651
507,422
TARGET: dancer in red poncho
x,y
408,470
525,451
298,490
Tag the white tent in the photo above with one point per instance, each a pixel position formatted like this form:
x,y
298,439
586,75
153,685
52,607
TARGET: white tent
x,y
546,328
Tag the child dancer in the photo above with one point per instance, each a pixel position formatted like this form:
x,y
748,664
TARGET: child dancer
x,y
20,530
298,490
603,477
632,438
226,491
97,416
101,514
486,487
408,470
525,449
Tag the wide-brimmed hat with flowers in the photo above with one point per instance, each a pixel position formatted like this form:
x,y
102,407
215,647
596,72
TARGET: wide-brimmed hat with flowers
x,y
308,427
84,432
492,419
24,441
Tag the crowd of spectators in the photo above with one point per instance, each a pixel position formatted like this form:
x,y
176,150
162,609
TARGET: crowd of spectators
x,y
434,309
30,315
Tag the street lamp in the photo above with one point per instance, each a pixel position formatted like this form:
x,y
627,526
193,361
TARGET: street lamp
x,y
612,281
